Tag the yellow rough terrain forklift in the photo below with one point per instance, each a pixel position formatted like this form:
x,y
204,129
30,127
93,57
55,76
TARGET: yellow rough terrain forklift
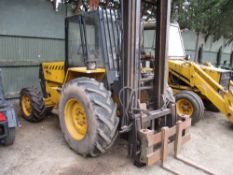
x,y
98,88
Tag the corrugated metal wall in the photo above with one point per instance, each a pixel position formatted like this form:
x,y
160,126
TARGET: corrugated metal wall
x,y
20,58
30,32
30,48
210,48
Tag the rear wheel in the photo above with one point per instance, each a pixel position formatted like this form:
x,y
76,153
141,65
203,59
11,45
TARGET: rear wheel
x,y
88,117
190,104
10,138
32,104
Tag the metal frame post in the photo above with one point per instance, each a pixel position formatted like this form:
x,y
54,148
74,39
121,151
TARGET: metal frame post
x,y
231,60
219,57
160,72
131,12
200,54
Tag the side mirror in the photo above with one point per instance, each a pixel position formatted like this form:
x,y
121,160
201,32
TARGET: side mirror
x,y
187,57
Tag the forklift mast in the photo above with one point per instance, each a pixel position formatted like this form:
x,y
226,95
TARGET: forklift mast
x,y
160,109
160,69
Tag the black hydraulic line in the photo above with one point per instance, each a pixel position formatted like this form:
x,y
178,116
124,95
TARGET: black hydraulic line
x,y
85,37
82,37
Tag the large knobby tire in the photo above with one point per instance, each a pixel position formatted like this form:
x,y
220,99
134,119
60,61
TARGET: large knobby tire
x,y
32,104
190,104
10,138
97,113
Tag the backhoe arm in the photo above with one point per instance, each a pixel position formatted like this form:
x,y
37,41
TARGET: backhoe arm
x,y
198,80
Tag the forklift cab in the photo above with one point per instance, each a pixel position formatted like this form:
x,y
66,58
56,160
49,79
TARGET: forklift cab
x,y
92,41
83,40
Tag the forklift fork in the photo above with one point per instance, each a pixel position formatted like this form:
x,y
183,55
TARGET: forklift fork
x,y
156,146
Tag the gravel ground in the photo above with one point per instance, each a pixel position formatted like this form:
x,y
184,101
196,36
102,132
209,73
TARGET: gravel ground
x,y
40,149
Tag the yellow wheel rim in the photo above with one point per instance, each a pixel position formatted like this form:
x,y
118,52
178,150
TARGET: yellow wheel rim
x,y
75,119
184,107
26,105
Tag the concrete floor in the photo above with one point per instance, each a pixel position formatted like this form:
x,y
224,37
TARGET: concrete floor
x,y
40,149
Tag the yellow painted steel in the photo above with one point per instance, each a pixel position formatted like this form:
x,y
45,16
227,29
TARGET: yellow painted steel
x,y
184,107
204,81
26,105
55,76
75,119
177,88
75,72
54,71
146,70
212,72
86,71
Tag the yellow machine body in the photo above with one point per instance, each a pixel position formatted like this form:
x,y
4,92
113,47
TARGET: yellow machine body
x,y
209,82
55,77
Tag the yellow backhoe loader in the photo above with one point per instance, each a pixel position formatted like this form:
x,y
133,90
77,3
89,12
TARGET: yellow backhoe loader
x,y
195,86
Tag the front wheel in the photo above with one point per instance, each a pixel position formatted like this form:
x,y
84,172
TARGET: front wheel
x,y
88,117
190,104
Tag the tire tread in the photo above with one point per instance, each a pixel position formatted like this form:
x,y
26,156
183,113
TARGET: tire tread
x,y
192,96
105,112
37,103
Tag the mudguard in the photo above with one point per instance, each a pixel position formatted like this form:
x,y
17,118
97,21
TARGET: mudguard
x,y
11,117
9,112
